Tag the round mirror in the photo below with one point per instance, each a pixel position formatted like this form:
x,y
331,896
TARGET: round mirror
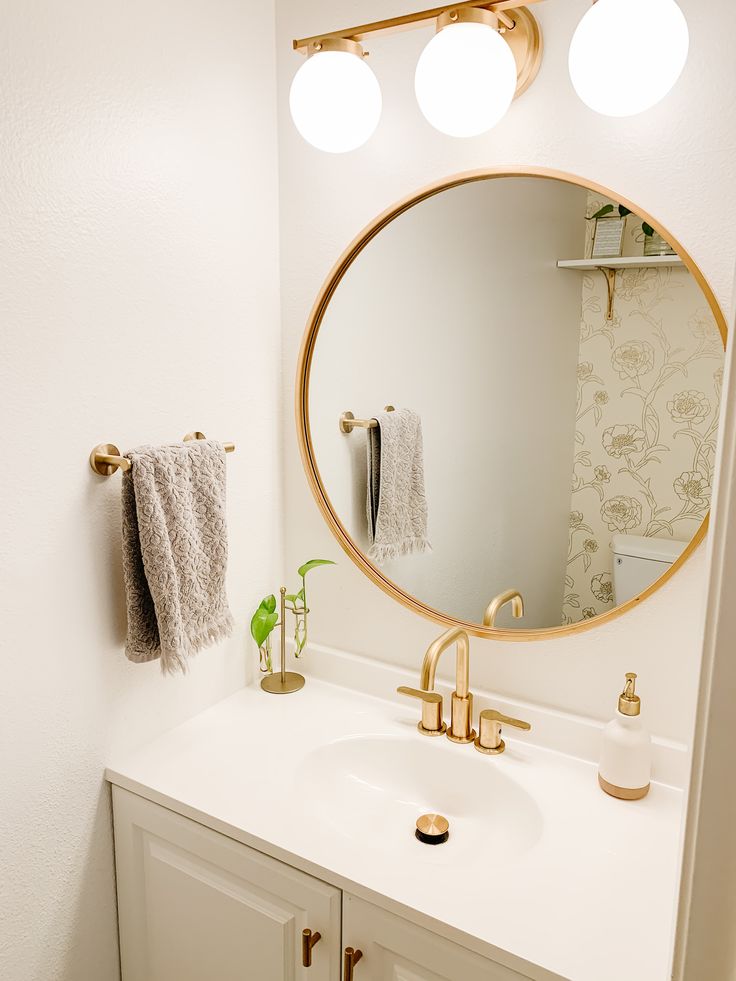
x,y
511,383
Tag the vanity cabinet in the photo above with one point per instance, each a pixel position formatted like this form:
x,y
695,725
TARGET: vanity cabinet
x,y
396,950
195,905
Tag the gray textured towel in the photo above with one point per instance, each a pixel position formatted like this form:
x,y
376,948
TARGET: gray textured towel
x,y
175,551
396,505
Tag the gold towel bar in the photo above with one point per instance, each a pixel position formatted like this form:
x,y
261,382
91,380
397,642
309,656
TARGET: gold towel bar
x,y
105,458
348,422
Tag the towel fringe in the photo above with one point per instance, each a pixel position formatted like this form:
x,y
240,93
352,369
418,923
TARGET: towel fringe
x,y
175,661
383,553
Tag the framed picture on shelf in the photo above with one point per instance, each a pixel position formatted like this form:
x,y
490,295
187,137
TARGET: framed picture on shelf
x,y
654,244
608,237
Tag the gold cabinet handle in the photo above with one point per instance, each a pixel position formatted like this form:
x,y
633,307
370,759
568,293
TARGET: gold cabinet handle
x,y
489,738
309,940
431,724
351,958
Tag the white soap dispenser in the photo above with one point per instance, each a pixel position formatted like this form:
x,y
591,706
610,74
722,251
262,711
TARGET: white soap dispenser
x,y
626,754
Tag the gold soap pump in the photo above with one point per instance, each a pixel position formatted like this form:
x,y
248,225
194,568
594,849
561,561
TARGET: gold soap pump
x,y
629,702
626,750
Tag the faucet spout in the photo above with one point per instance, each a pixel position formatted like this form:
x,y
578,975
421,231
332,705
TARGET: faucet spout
x,y
461,727
512,596
456,635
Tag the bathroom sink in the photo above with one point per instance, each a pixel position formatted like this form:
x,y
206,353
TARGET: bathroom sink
x,y
372,789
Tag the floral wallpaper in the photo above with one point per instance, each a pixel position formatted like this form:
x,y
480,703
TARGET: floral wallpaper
x,y
648,397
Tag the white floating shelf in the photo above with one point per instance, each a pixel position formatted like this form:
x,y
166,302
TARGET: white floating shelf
x,y
621,262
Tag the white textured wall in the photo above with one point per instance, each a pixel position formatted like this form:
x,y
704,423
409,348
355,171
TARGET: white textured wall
x,y
449,334
138,300
676,161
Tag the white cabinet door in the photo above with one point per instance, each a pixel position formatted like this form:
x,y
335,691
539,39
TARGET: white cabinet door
x,y
195,905
396,950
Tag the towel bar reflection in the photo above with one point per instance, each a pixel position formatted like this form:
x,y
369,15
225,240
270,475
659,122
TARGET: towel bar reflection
x,y
106,458
348,422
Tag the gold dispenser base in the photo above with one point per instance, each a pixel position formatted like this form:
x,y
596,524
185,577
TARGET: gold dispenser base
x,y
278,684
623,793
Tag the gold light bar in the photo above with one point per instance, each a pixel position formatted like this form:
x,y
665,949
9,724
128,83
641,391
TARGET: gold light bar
x,y
409,21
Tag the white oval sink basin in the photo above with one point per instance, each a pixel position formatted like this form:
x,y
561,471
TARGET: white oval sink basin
x,y
372,789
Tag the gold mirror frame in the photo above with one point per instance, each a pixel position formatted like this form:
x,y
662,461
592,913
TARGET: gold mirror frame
x,y
304,436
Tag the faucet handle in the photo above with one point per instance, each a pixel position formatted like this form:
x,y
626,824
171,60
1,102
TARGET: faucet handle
x,y
431,724
489,740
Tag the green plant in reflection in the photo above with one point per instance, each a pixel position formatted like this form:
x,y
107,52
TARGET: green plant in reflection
x,y
266,618
608,210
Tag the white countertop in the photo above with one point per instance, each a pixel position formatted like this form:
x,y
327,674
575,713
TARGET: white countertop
x,y
599,881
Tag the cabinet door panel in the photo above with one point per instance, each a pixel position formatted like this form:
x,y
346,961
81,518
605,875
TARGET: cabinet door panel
x,y
203,922
195,905
396,950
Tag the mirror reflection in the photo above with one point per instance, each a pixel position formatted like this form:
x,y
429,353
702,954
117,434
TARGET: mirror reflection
x,y
555,415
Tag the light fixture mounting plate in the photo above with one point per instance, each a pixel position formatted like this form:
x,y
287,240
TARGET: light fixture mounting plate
x,y
527,47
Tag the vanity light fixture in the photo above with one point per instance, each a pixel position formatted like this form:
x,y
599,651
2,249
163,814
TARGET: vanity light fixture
x,y
653,38
479,59
466,76
482,56
335,98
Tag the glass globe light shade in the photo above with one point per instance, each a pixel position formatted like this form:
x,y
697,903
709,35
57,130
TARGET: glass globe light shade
x,y
465,79
335,100
626,55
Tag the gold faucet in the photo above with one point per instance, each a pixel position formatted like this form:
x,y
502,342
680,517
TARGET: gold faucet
x,y
461,725
512,596
461,718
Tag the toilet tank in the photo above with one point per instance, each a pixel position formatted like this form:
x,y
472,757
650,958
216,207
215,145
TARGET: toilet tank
x,y
638,562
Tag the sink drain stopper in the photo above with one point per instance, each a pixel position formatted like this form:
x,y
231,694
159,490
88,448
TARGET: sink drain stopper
x,y
432,829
